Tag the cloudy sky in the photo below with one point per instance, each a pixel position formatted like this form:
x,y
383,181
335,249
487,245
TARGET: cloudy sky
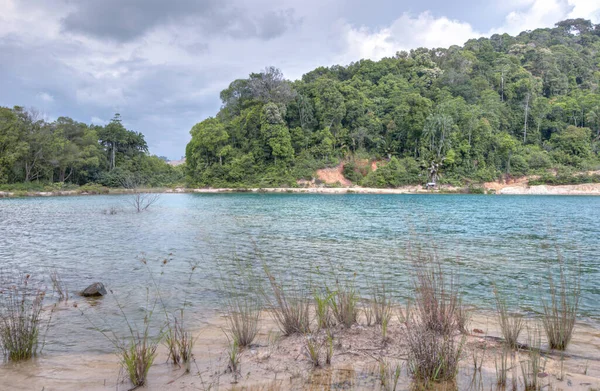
x,y
162,63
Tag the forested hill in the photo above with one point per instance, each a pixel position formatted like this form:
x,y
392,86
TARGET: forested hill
x,y
36,154
495,107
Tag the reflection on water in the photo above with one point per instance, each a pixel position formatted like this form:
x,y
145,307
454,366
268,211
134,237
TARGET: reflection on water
x,y
509,240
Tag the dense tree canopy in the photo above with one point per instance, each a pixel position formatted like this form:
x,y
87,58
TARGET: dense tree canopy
x,y
498,106
34,150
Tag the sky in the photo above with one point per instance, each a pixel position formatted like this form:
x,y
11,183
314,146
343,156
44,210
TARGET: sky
x,y
162,63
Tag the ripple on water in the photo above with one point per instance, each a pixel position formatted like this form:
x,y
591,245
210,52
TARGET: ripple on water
x,y
507,240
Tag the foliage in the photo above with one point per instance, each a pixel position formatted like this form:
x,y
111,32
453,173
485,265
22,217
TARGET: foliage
x,y
67,152
496,106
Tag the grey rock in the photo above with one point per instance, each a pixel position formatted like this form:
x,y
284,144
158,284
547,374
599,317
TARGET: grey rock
x,y
94,290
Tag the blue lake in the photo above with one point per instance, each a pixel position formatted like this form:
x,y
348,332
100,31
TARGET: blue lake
x,y
511,241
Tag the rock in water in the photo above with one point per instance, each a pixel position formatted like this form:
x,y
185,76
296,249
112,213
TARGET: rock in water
x,y
94,290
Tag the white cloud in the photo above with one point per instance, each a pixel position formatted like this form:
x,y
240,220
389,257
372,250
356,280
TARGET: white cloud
x,y
169,78
98,121
587,9
45,97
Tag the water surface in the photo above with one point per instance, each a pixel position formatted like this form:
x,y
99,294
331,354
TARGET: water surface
x,y
507,240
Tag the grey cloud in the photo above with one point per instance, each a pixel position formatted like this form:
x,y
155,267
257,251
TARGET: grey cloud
x,y
126,20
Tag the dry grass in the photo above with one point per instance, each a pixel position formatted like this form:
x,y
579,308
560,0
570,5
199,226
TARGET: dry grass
x,y
243,314
20,313
560,313
432,357
463,318
511,325
534,364
59,286
288,307
437,301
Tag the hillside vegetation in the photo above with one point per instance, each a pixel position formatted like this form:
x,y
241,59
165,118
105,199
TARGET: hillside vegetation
x,y
39,155
495,107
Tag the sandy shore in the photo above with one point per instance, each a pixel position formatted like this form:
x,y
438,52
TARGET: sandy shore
x,y
275,362
517,188
499,189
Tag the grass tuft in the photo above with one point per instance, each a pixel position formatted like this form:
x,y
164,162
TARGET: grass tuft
x,y
432,357
243,316
344,304
289,307
560,313
437,300
20,314
511,325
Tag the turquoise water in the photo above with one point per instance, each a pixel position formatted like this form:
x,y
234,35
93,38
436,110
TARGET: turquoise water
x,y
509,240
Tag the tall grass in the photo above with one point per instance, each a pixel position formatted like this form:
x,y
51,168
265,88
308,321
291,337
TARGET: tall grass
x,y
437,300
233,359
59,286
243,315
322,303
138,351
288,306
379,308
344,303
560,313
502,367
20,315
534,364
179,342
511,325
389,376
432,357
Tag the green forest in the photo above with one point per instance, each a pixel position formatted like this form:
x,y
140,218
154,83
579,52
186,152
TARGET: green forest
x,y
52,155
495,108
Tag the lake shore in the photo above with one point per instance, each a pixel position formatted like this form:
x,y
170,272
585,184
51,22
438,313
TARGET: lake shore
x,y
515,188
276,362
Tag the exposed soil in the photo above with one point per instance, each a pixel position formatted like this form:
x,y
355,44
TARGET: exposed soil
x,y
333,175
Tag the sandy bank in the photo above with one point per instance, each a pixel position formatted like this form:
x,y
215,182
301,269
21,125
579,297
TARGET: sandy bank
x,y
519,188
275,362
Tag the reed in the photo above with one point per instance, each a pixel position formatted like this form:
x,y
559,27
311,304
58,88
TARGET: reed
x,y
437,300
289,307
432,357
20,318
560,312
502,367
344,304
243,316
59,286
511,325
534,364
389,375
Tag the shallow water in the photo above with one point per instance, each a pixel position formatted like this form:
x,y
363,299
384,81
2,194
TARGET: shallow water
x,y
509,240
